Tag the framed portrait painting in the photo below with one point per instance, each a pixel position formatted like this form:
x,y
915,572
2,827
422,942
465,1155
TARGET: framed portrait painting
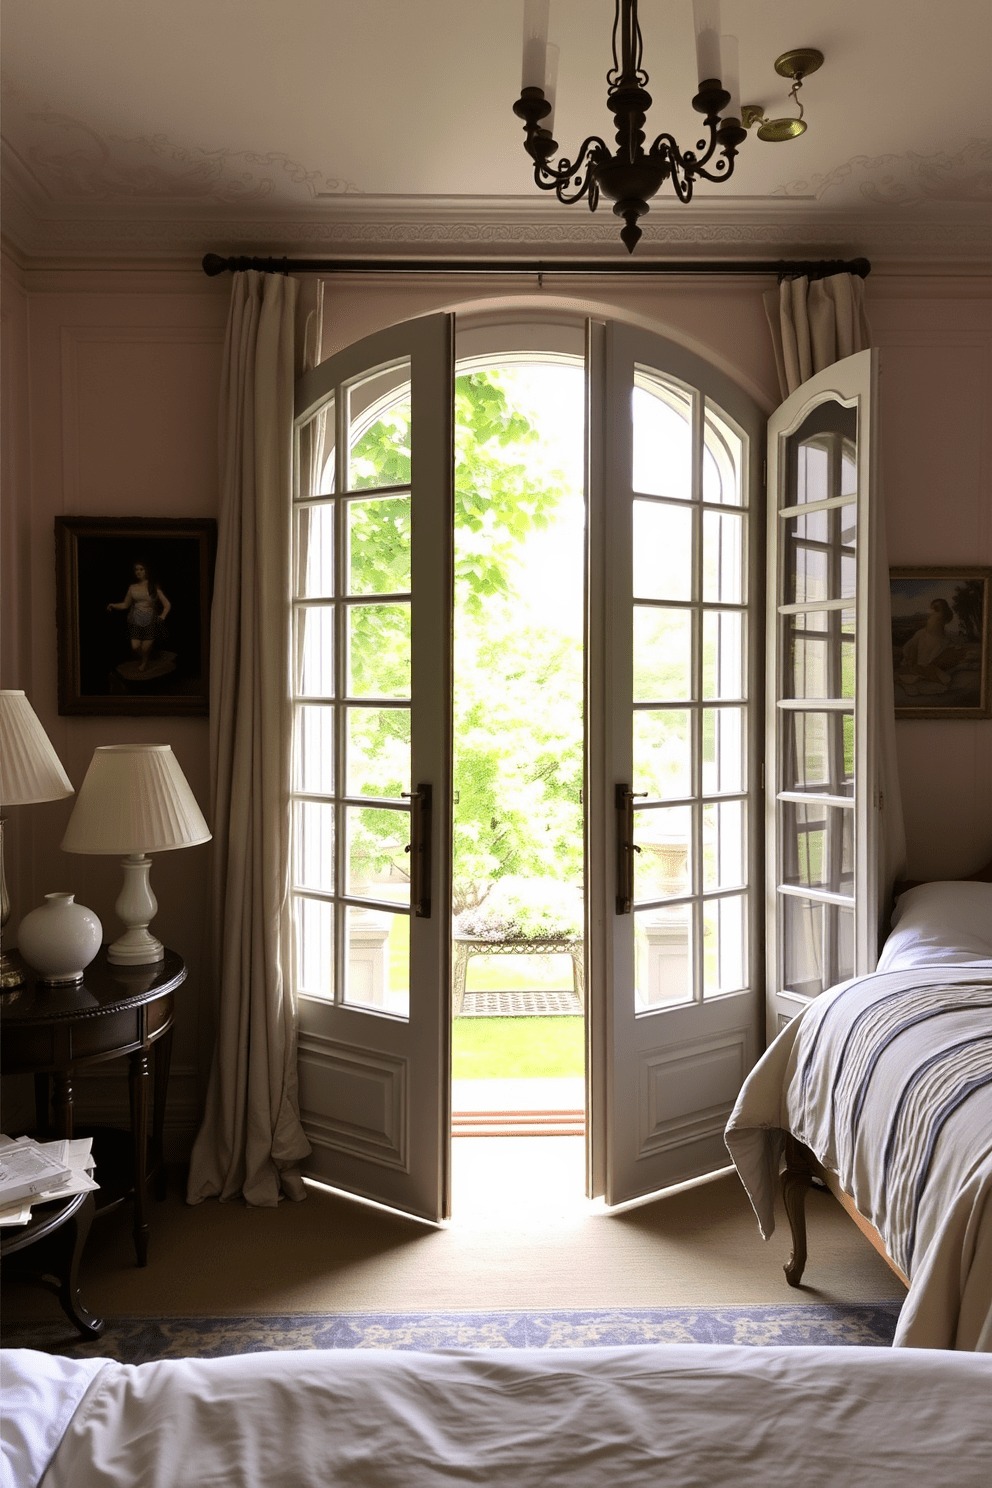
x,y
133,614
942,642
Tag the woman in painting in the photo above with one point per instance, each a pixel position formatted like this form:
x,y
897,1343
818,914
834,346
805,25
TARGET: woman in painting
x,y
147,606
930,655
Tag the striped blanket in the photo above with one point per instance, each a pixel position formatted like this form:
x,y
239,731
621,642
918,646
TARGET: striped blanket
x,y
888,1080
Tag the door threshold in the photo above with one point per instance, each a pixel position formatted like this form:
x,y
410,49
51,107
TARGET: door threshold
x,y
557,1123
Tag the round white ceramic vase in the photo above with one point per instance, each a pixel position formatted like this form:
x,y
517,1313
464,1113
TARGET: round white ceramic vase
x,y
59,939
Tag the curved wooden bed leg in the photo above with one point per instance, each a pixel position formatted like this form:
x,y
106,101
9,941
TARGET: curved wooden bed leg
x,y
796,1179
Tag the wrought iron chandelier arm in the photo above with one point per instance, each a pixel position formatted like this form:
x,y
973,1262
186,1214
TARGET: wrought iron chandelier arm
x,y
567,172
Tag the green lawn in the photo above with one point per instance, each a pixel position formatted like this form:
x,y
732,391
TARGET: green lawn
x,y
518,1048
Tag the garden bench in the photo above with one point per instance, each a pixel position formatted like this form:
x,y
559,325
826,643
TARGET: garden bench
x,y
515,945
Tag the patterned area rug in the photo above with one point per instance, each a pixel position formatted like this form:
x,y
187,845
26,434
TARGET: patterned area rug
x,y
137,1340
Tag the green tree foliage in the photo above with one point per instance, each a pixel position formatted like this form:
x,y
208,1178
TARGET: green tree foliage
x,y
518,730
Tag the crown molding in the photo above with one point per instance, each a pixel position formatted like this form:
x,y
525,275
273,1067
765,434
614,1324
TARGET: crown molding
x,y
954,236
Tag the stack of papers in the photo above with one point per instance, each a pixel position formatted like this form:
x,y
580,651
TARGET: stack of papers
x,y
34,1172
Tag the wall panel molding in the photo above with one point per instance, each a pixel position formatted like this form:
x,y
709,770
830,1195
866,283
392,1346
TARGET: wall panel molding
x,y
363,1099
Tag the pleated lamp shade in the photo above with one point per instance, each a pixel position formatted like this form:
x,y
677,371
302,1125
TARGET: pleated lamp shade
x,y
134,799
30,770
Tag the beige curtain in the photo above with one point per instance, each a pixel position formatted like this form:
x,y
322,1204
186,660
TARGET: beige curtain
x,y
815,324
251,1140
812,326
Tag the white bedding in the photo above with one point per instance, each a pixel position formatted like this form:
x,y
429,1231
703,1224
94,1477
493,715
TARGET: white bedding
x,y
888,1080
645,1417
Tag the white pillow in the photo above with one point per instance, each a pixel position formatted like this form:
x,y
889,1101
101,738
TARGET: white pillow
x,y
940,924
40,1394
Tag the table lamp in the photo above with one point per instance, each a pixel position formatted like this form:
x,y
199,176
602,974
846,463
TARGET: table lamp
x,y
30,771
134,800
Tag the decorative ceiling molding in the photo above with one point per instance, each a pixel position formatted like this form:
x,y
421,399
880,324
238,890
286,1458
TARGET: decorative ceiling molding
x,y
909,179
352,224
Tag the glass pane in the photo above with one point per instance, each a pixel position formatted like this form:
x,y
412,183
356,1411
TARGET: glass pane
x,y
313,754
662,754
315,947
313,845
723,654
723,750
379,650
662,551
314,552
818,945
812,475
818,846
315,651
724,857
379,546
819,654
377,960
379,428
662,437
723,557
818,752
821,567
378,863
723,460
822,455
378,751
662,957
662,866
316,454
724,957
662,654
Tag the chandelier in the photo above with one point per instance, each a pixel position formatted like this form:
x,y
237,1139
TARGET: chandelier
x,y
631,175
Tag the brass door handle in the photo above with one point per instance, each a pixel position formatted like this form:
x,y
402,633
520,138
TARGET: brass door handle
x,y
419,848
626,847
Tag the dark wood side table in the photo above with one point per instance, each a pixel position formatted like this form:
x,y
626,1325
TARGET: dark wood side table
x,y
115,1010
48,1248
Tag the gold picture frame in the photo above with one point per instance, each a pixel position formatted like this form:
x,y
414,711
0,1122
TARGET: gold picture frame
x,y
942,641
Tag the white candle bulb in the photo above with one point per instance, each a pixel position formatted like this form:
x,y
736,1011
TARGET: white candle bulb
x,y
536,16
731,76
706,17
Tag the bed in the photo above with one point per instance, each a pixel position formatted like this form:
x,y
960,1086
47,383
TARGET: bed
x,y
640,1417
883,1086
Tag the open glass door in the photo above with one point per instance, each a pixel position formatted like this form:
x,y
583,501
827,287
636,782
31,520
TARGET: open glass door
x,y
821,896
674,852
372,764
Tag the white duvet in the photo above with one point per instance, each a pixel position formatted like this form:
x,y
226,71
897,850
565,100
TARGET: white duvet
x,y
888,1080
644,1417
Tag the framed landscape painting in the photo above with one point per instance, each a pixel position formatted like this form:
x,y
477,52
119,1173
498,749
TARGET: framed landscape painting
x,y
133,614
942,642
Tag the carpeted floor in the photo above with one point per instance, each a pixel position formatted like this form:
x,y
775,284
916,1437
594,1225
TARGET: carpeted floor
x,y
523,1239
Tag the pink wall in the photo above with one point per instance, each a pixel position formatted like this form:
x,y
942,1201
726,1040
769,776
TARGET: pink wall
x,y
110,407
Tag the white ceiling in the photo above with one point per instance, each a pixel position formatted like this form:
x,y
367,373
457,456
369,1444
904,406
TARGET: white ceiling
x,y
133,128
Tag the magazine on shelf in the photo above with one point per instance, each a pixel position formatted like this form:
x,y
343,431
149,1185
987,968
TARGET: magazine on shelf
x,y
61,1168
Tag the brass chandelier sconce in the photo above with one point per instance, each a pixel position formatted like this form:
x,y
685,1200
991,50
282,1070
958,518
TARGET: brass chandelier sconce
x,y
796,64
631,175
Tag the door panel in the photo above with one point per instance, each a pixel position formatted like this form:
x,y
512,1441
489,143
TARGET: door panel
x,y
672,578
372,764
821,792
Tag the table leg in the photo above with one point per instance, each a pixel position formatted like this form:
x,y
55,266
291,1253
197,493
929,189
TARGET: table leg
x,y
163,1058
63,1104
139,1081
77,1230
579,975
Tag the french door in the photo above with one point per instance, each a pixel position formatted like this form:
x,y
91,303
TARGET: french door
x,y
822,796
371,780
674,758
674,708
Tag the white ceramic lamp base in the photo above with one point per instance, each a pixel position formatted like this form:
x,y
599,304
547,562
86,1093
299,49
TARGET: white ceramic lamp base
x,y
137,907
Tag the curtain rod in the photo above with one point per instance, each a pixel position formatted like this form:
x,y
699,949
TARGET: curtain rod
x,y
214,263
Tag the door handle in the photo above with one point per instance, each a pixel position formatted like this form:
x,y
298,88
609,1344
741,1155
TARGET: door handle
x,y
419,848
626,847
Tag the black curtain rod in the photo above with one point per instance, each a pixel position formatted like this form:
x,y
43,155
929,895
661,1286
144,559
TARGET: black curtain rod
x,y
214,264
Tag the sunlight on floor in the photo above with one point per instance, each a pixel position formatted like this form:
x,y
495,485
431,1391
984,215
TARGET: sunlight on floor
x,y
519,1183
